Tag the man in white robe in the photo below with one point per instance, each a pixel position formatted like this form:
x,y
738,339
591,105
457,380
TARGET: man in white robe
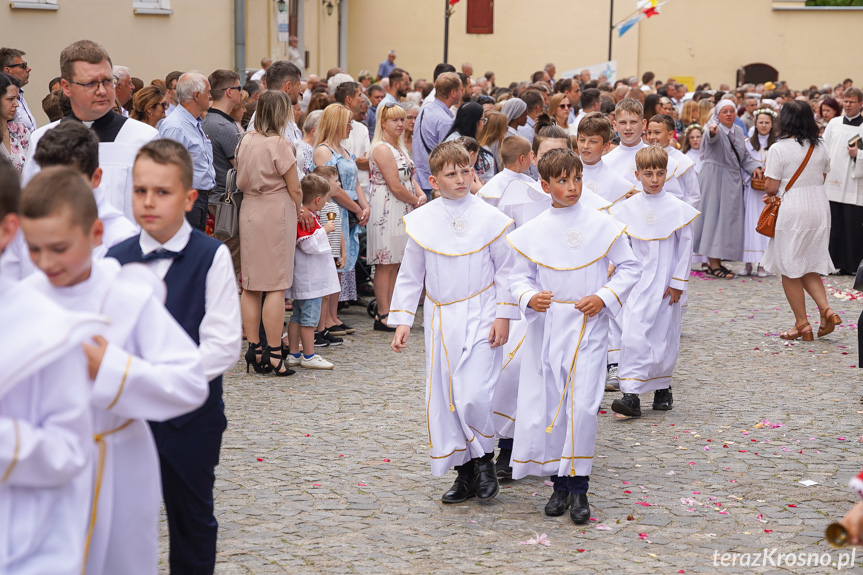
x,y
844,184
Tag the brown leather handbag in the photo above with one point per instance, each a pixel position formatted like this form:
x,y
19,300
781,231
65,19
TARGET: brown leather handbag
x,y
767,222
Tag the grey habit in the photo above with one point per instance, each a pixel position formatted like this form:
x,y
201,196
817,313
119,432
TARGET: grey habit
x,y
719,231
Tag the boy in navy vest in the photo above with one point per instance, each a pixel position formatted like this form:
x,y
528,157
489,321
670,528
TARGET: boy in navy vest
x,y
202,297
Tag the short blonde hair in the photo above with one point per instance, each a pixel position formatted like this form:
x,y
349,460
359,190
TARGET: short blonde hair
x,y
445,154
333,125
513,148
169,152
651,157
630,105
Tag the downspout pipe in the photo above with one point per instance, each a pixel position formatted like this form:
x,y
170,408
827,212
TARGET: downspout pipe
x,y
240,38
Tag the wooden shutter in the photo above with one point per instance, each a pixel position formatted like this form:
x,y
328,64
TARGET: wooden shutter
x,y
480,16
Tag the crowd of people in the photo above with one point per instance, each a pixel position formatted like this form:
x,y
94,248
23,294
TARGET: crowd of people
x,y
554,218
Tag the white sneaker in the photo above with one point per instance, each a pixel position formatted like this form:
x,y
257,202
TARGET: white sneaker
x,y
762,273
293,361
612,381
746,271
315,362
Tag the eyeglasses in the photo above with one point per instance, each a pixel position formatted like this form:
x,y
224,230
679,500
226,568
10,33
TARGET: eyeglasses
x,y
93,86
238,87
484,120
565,106
163,104
19,65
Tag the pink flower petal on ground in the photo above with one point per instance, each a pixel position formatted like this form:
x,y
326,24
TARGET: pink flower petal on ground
x,y
594,519
602,527
341,455
386,460
260,459
316,484
841,438
723,513
642,503
362,485
696,493
580,550
626,483
549,483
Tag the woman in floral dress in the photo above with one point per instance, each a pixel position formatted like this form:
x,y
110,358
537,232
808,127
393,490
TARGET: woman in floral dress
x,y
16,138
394,193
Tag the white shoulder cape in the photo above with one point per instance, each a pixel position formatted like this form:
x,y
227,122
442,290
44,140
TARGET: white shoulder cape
x,y
36,332
429,226
566,238
653,217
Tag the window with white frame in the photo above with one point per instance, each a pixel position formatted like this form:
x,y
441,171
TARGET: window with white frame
x,y
34,4
155,7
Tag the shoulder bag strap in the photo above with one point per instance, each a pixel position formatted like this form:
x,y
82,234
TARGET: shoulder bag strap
x,y
800,169
420,130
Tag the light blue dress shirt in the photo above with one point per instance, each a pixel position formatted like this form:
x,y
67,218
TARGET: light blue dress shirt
x,y
183,127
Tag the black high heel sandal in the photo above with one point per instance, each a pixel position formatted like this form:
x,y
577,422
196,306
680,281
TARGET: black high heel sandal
x,y
380,325
252,353
276,352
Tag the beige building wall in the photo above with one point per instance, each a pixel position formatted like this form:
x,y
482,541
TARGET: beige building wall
x,y
199,35
702,38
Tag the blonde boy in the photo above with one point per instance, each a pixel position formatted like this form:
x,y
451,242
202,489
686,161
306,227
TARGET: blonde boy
x,y
466,321
515,154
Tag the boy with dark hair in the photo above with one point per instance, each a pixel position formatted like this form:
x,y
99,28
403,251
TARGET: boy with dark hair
x,y
46,429
561,269
467,321
202,297
73,144
143,365
657,224
594,134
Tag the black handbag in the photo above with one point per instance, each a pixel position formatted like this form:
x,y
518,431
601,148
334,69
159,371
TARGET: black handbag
x,y
858,281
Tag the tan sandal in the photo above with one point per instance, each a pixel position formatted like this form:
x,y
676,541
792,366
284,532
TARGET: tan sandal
x,y
797,332
828,322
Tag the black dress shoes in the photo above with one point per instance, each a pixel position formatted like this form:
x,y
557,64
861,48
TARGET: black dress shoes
x,y
579,512
503,465
463,489
628,405
558,503
662,400
486,480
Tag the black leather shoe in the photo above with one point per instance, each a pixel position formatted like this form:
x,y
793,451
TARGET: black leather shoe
x,y
579,512
628,405
463,489
503,466
486,480
558,503
662,399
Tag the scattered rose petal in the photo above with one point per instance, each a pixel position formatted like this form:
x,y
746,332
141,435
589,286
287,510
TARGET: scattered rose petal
x,y
791,505
362,485
341,455
768,531
549,483
603,412
580,550
602,527
841,438
538,540
642,503
260,459
386,460
627,491
316,484
696,493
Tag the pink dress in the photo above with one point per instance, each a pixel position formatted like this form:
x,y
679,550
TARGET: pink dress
x,y
19,141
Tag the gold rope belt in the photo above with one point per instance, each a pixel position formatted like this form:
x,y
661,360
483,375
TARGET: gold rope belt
x,y
99,438
436,309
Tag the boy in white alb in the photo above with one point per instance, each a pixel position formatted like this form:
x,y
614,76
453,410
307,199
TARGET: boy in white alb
x,y
515,155
73,144
523,201
314,277
660,129
46,432
143,365
630,125
594,134
658,225
560,280
456,250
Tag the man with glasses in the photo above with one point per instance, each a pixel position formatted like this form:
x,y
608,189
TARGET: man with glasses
x,y
184,125
224,134
87,79
12,63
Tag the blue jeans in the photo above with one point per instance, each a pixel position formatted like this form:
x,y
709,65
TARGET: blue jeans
x,y
307,312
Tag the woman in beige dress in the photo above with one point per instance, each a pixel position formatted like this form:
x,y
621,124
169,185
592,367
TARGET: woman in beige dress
x,y
272,204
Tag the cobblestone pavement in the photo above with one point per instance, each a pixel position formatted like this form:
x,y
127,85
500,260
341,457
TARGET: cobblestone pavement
x,y
326,472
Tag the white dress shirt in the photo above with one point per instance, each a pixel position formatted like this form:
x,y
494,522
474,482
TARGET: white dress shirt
x,y
220,334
